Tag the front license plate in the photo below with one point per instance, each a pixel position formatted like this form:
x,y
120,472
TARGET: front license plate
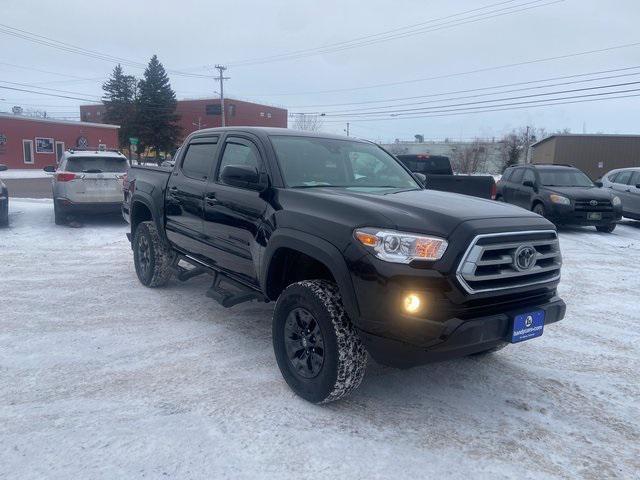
x,y
594,216
527,326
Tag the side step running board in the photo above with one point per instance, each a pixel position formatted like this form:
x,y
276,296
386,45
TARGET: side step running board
x,y
232,293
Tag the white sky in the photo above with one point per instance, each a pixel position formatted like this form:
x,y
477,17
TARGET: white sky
x,y
190,34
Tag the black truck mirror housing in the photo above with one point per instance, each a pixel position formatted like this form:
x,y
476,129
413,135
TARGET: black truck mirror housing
x,y
243,176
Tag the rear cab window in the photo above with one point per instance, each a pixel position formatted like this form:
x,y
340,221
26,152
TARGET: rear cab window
x,y
96,164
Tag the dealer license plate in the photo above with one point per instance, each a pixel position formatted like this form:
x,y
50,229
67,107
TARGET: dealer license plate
x,y
527,326
594,216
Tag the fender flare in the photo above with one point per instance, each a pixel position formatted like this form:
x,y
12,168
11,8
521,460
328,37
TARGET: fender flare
x,y
320,250
146,200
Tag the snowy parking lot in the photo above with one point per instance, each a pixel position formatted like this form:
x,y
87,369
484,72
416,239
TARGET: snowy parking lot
x,y
101,377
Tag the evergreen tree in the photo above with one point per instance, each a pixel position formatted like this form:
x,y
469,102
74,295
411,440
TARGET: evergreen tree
x,y
156,104
119,101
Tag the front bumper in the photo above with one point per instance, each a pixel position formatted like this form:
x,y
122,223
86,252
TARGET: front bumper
x,y
458,337
569,215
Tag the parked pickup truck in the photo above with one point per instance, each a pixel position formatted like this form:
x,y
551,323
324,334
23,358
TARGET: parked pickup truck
x,y
436,173
357,255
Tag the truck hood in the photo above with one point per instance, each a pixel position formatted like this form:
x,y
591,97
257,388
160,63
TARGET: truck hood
x,y
581,193
422,211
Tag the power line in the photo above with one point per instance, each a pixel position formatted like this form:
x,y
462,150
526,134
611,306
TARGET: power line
x,y
499,108
464,73
368,111
403,32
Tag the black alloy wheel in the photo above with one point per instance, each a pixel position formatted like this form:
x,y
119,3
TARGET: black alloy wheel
x,y
304,343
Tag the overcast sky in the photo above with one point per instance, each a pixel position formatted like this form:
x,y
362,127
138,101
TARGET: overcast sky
x,y
191,36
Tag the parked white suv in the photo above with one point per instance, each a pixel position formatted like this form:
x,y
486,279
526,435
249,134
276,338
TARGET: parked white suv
x,y
625,182
87,181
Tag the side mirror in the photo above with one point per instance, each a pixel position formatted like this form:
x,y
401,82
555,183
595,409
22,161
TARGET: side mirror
x,y
422,178
50,169
242,176
3,168
529,183
598,184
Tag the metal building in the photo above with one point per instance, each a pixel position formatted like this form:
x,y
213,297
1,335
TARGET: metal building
x,y
593,154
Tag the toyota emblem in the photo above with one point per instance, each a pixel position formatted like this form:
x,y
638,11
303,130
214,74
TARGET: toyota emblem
x,y
524,258
593,203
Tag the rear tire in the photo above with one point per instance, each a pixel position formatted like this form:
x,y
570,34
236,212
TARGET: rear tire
x,y
539,209
152,257
58,217
317,348
4,215
606,228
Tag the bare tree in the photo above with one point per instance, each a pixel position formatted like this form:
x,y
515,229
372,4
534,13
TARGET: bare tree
x,y
471,158
307,122
514,146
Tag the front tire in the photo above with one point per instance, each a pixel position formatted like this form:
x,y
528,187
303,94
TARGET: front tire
x,y
539,209
4,215
317,348
606,228
151,256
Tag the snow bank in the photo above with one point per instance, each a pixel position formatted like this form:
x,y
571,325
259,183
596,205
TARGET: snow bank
x,y
24,173
102,378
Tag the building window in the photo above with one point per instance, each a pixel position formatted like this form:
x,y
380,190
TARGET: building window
x,y
27,151
231,110
213,109
88,114
59,151
269,115
262,114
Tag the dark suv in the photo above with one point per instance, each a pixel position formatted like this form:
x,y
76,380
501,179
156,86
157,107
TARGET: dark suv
x,y
562,193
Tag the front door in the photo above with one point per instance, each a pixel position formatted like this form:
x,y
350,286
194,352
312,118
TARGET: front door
x,y
234,216
184,201
524,193
630,196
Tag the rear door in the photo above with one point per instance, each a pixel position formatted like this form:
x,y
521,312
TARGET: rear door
x,y
98,179
523,195
184,201
631,196
234,216
511,187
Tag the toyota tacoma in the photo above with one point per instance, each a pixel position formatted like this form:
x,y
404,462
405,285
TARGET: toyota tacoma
x,y
358,256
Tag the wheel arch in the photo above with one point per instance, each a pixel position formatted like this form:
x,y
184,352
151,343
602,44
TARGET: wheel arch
x,y
142,210
315,248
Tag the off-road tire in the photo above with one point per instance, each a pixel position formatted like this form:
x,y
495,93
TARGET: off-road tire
x,y
490,350
539,209
345,358
606,228
58,217
153,267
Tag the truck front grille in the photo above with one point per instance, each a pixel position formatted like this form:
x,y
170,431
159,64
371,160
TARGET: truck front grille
x,y
500,261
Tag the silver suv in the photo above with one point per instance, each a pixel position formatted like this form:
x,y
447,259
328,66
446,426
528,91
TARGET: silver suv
x,y
87,181
625,182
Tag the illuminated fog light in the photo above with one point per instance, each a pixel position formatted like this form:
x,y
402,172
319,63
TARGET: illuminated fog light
x,y
412,303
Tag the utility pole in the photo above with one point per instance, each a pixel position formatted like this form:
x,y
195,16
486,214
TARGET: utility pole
x,y
347,130
526,147
221,79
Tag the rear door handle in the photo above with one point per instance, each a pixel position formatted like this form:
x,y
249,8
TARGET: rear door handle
x,y
173,189
210,198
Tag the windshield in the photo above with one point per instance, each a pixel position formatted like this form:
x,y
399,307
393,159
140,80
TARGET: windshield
x,y
564,178
97,164
323,162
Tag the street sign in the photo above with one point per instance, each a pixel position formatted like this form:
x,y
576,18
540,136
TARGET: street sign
x,y
133,140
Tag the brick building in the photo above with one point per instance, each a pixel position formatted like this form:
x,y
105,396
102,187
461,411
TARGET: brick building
x,y
27,142
206,113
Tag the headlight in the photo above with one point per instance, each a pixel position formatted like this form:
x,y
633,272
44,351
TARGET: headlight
x,y
615,201
401,247
559,199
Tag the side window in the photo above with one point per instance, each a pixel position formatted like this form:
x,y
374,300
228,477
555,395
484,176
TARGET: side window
x,y
613,176
624,177
529,176
239,152
198,159
507,174
635,179
516,176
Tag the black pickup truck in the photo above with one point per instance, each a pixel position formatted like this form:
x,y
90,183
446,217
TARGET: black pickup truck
x,y
358,256
436,173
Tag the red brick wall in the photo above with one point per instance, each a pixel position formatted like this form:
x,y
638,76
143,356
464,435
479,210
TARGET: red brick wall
x,y
17,129
192,112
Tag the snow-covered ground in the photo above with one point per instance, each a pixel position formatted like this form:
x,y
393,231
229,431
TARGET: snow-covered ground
x,y
24,173
103,378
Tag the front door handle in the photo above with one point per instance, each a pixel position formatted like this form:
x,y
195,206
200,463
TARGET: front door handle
x,y
210,198
173,189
